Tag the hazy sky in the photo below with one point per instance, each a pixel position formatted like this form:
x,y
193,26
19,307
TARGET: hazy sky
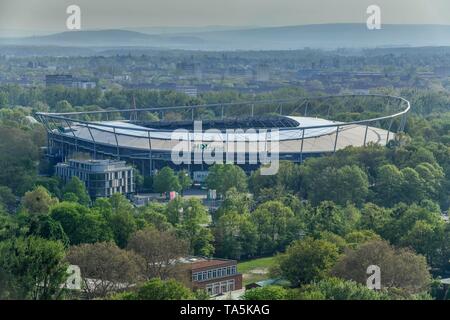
x,y
50,14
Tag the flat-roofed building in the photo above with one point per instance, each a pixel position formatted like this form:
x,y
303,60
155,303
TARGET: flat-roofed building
x,y
102,178
65,80
215,276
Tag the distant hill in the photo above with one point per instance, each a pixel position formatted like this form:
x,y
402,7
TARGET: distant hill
x,y
325,36
331,36
104,38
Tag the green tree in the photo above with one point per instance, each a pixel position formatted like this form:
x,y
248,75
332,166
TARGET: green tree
x,y
184,180
157,289
346,184
76,187
43,226
7,198
81,224
63,106
121,219
432,175
19,156
338,289
358,237
223,177
235,201
190,219
4,100
266,293
286,179
307,260
38,201
52,184
276,226
139,179
166,180
235,236
388,185
153,214
413,189
34,268
332,218
427,239
9,226
375,218
405,217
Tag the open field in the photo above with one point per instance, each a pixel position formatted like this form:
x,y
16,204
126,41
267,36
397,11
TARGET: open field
x,y
256,269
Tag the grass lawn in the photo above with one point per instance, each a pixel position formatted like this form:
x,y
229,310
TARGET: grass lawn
x,y
256,269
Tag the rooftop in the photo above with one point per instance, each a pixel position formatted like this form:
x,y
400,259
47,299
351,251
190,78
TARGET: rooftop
x,y
95,165
200,262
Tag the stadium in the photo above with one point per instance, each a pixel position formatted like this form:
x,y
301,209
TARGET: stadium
x,y
298,127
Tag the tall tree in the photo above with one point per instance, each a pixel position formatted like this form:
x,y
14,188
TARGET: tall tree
x,y
307,260
105,268
388,185
38,201
223,177
75,187
400,268
276,226
185,180
19,156
159,249
81,224
166,180
342,185
34,268
121,219
235,236
190,218
7,198
332,218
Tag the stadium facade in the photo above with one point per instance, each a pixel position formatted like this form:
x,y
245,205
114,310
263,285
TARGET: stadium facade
x,y
298,127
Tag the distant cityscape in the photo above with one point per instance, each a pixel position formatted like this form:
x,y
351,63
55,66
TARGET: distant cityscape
x,y
245,72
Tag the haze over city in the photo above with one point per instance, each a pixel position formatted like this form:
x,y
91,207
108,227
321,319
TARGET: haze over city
x,y
50,15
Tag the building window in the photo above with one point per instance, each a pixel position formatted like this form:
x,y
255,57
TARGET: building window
x,y
214,273
230,285
194,277
209,289
216,289
233,269
209,274
223,287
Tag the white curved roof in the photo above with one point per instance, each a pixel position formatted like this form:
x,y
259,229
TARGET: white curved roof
x,y
127,128
128,135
